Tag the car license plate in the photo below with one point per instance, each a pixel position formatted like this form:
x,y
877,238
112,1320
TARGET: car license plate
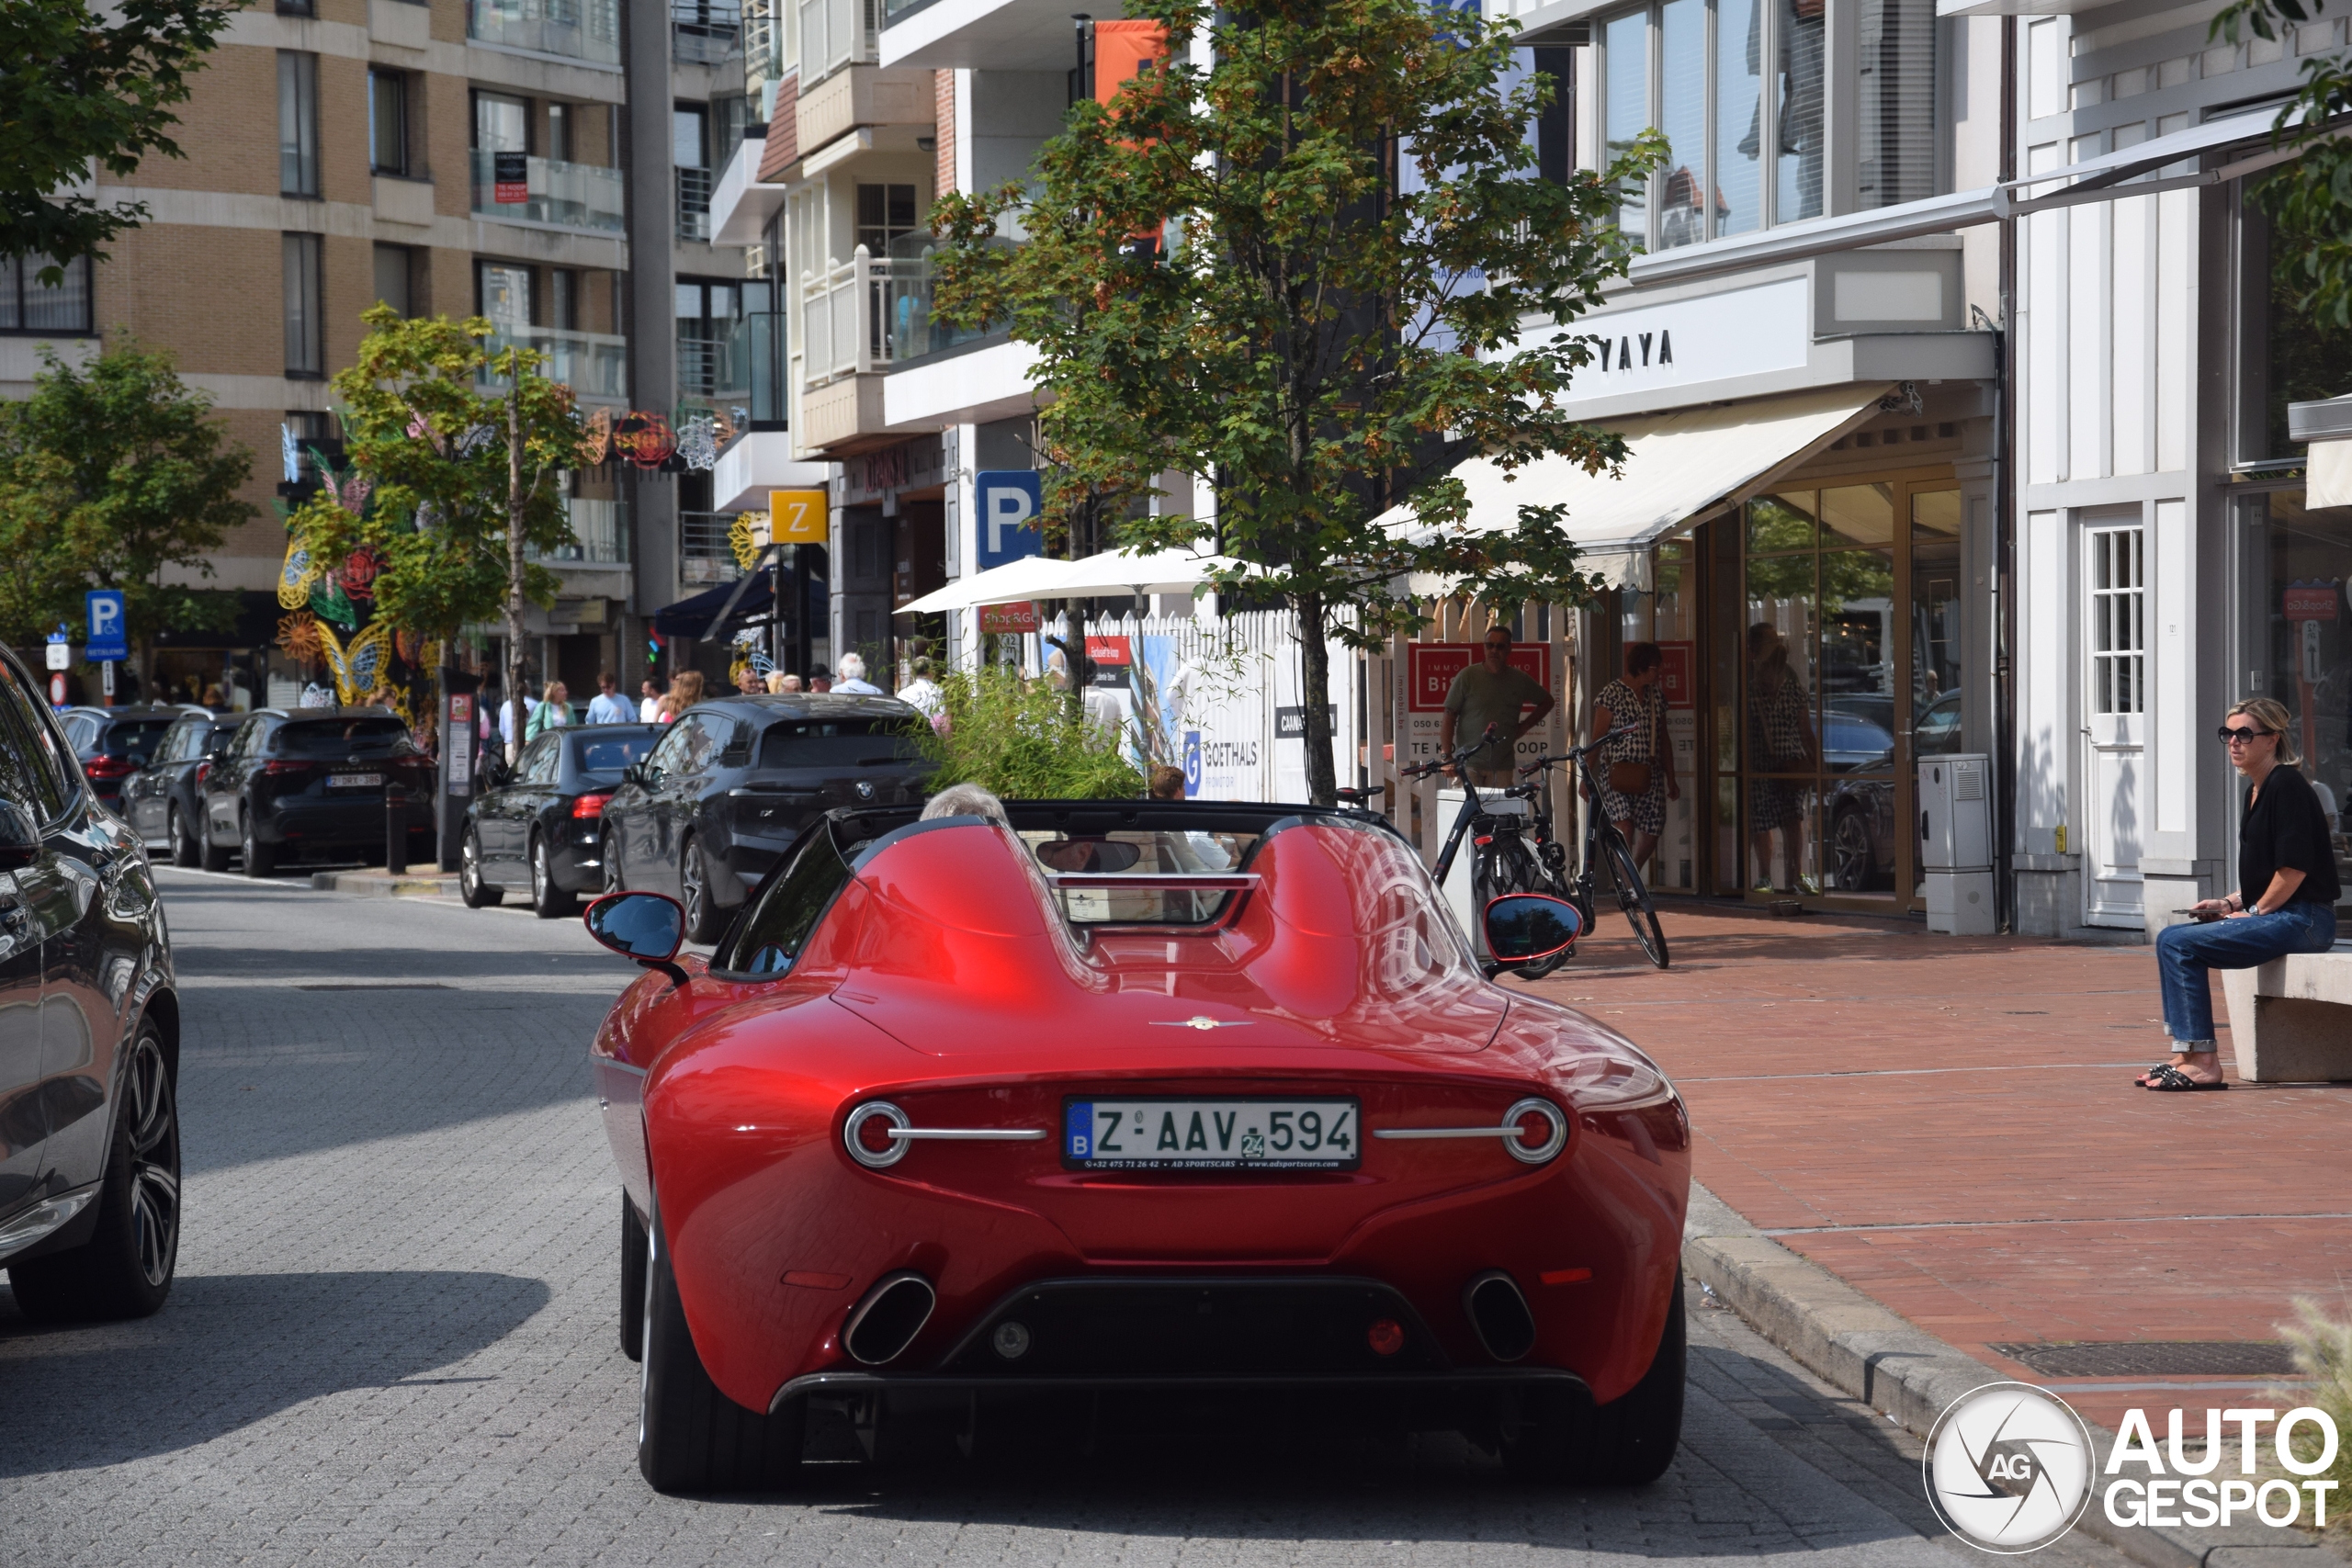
x,y
1211,1134
354,780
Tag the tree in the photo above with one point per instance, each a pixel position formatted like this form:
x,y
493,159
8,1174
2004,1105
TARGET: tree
x,y
460,481
1302,271
84,87
112,475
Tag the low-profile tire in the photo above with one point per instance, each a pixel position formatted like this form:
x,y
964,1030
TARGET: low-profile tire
x,y
690,1437
186,851
125,1269
705,921
261,860
477,894
608,864
548,901
632,1281
1567,1441
215,856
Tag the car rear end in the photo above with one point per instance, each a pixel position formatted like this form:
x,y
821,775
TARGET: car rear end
x,y
803,765
595,758
322,784
121,745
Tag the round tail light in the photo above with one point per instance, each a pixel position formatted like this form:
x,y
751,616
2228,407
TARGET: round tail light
x,y
1541,1131
1386,1336
867,1134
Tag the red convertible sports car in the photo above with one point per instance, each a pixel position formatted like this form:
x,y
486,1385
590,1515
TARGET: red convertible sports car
x,y
1127,1107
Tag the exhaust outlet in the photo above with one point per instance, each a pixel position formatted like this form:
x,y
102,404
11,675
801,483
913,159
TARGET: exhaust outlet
x,y
1499,1314
888,1317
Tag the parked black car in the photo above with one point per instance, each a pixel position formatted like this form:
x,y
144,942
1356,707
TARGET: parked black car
x,y
541,826
734,780
90,1038
163,801
112,744
311,781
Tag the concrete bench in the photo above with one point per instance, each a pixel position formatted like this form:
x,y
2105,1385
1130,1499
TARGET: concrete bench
x,y
2291,1020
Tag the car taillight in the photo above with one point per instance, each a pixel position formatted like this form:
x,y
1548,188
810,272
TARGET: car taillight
x,y
288,767
110,767
590,804
203,772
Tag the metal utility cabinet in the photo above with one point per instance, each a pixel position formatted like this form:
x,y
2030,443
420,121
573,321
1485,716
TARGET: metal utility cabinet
x,y
1956,844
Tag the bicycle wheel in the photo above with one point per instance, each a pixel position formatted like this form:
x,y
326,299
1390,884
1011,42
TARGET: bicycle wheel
x,y
1512,870
1634,898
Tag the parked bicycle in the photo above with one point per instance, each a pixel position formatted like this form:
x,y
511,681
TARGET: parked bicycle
x,y
1499,859
1605,850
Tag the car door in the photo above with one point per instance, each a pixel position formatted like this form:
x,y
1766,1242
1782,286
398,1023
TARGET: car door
x,y
652,843
683,794
144,795
519,805
24,1124
223,783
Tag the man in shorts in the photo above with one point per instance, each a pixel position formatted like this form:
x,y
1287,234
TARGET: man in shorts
x,y
1492,692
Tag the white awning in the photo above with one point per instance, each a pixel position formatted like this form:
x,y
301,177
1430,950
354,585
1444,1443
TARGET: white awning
x,y
1679,467
1036,577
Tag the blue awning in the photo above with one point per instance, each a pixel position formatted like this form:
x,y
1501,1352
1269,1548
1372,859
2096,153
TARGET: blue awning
x,y
691,616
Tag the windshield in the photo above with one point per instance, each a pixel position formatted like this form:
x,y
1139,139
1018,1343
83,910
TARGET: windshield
x,y
341,737
1141,853
610,753
769,937
835,743
135,737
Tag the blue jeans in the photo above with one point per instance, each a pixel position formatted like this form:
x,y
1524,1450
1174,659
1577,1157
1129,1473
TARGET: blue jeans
x,y
2185,953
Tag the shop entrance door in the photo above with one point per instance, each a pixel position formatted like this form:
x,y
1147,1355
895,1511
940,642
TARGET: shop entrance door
x,y
2115,710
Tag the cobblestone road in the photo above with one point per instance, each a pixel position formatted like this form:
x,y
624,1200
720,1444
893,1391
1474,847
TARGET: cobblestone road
x,y
392,1337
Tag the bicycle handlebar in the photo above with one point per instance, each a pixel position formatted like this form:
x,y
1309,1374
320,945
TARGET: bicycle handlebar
x,y
1460,755
1549,760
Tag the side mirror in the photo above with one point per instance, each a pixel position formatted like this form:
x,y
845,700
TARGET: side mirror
x,y
1525,927
19,837
646,927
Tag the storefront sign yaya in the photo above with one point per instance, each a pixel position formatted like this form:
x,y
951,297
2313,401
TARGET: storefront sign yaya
x,y
1687,343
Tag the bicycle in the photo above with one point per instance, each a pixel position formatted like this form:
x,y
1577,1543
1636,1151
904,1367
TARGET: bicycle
x,y
1499,863
1604,846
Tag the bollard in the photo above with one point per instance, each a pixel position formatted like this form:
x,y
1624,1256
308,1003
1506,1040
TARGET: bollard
x,y
395,829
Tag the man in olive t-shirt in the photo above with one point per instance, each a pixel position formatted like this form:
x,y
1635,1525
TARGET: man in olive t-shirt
x,y
1492,692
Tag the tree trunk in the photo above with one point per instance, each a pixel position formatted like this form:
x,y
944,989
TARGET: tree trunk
x,y
515,499
1315,693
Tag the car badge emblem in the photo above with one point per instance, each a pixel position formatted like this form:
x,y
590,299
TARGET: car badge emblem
x,y
1196,1021
865,790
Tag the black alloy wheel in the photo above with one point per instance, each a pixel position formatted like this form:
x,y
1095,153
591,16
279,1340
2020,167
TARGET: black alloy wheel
x,y
184,848
261,860
215,857
705,919
608,861
1634,898
1849,849
125,1269
548,901
476,893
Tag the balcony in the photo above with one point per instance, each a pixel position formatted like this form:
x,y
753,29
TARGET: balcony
x,y
694,204
839,33
705,32
574,195
592,365
601,528
586,30
704,554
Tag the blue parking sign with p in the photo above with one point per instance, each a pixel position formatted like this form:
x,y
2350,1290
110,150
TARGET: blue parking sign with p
x,y
109,628
1009,501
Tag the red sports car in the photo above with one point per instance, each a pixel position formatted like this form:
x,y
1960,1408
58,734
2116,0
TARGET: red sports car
x,y
967,1125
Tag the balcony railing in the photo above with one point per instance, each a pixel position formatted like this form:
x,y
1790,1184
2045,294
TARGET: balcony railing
x,y
591,364
837,33
579,195
706,31
844,319
694,204
906,298
601,528
576,30
704,554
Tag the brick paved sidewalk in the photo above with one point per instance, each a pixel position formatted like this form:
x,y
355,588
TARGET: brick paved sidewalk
x,y
1950,1124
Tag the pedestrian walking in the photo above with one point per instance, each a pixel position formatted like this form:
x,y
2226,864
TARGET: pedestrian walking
x,y
1637,773
554,711
684,692
2285,900
853,681
922,693
1493,692
608,706
649,706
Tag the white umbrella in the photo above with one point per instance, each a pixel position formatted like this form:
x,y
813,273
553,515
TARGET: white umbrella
x,y
1027,578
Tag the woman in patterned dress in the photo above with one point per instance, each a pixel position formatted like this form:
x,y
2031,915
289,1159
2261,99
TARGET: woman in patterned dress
x,y
1637,701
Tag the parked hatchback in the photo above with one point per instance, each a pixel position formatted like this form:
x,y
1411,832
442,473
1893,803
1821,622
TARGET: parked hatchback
x,y
164,802
115,743
539,828
734,780
312,782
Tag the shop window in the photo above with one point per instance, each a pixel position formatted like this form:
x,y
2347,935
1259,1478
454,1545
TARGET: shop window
x,y
2303,641
2286,355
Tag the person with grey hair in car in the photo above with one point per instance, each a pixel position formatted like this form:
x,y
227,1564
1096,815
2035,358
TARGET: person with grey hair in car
x,y
966,800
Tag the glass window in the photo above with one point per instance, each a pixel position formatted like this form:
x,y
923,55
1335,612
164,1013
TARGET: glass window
x,y
1739,116
27,304
834,743
884,213
2289,357
25,775
1896,133
1857,514
298,123
506,294
135,737
560,119
387,122
305,338
780,921
334,739
604,757
687,143
1627,106
1684,195
502,124
393,273
2119,620
539,761
2307,636
1802,26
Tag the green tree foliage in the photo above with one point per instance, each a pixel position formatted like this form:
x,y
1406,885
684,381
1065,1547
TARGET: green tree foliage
x,y
1354,232
88,84
1021,739
112,474
2309,200
463,481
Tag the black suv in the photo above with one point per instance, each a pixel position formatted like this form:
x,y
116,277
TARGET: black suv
x,y
311,781
89,1039
163,801
734,780
114,743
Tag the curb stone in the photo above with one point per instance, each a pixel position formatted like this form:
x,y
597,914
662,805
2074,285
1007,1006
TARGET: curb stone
x,y
382,884
1910,1375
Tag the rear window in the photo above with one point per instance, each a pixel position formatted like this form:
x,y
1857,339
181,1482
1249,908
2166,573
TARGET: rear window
x,y
1145,854
610,753
341,737
136,737
769,937
836,743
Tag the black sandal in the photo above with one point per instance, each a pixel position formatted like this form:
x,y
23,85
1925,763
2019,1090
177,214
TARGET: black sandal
x,y
2172,1081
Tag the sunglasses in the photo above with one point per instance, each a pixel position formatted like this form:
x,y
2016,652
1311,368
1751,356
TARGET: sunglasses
x,y
2231,736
